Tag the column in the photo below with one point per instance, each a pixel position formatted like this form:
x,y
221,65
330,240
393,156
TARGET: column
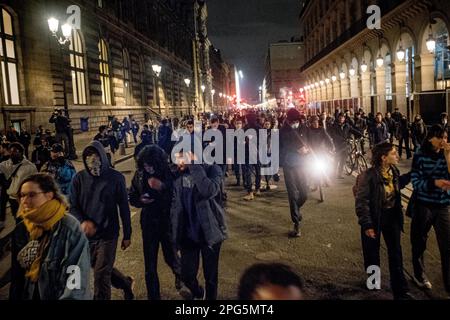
x,y
400,86
427,72
365,91
381,89
345,88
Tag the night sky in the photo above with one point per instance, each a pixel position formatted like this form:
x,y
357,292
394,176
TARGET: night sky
x,y
243,29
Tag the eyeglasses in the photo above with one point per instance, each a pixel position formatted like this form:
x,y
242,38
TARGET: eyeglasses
x,y
30,195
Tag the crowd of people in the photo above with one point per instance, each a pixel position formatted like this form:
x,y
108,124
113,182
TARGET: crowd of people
x,y
74,218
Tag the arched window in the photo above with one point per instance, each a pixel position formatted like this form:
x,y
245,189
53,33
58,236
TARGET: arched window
x,y
104,72
9,62
77,68
442,56
126,77
142,81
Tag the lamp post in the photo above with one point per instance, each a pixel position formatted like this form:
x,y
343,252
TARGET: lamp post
x,y
203,87
188,82
213,92
157,71
64,42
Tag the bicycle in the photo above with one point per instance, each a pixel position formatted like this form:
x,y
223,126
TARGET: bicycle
x,y
356,162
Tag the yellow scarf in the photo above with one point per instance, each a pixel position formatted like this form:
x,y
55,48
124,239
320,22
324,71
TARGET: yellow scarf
x,y
389,177
37,221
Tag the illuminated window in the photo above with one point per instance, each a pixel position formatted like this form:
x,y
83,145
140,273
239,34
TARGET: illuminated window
x,y
104,72
8,58
126,77
77,68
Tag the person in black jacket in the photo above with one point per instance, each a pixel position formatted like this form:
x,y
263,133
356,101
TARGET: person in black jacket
x,y
418,132
98,195
62,125
404,135
380,132
340,134
151,190
25,140
198,224
379,210
391,126
293,151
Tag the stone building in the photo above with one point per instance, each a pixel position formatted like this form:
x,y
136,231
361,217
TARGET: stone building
x,y
108,66
282,74
403,64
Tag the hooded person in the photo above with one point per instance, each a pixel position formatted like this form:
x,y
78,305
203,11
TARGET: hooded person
x,y
151,190
97,198
61,169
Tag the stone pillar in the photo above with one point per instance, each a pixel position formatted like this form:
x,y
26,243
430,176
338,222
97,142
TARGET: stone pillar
x,y
365,91
323,92
354,86
381,90
400,86
345,88
427,72
336,90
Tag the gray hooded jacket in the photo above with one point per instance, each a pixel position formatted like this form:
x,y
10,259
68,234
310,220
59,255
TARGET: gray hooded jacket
x,y
100,199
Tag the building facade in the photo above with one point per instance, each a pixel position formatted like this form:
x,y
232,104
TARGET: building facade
x,y
404,63
222,81
282,76
107,69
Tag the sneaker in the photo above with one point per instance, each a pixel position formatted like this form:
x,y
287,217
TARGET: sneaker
x,y
249,197
202,295
423,283
128,292
257,193
404,296
185,293
295,233
268,187
276,177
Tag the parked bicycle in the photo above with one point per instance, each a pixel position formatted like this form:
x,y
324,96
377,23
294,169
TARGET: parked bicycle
x,y
356,162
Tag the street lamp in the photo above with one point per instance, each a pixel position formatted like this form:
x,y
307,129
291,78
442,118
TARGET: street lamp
x,y
203,87
333,78
64,43
400,52
363,66
157,71
352,71
431,42
213,92
342,75
188,83
380,61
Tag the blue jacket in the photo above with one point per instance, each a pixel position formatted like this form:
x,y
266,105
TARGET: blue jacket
x,y
68,246
207,181
63,171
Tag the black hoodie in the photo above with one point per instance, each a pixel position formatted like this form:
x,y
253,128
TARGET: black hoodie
x,y
98,198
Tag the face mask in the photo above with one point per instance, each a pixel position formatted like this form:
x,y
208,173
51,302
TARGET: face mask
x,y
295,125
94,165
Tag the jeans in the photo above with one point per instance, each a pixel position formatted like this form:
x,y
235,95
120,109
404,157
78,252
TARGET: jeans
x,y
425,217
404,139
247,172
391,230
238,170
103,256
190,260
155,232
296,185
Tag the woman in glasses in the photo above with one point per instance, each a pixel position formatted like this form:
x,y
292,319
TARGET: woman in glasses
x,y
50,253
379,211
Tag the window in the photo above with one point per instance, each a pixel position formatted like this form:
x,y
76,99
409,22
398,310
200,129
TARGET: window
x,y
142,81
77,69
104,72
126,77
8,58
442,59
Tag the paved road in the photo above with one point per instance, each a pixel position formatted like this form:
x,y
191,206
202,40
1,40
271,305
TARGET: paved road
x,y
328,255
